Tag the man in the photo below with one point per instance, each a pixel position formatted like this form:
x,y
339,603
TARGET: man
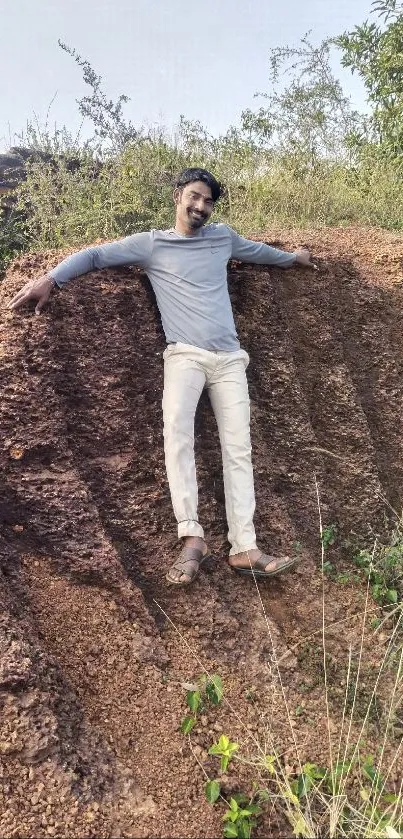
x,y
187,267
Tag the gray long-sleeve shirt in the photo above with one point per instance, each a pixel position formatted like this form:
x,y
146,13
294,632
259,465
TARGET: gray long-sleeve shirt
x,y
188,275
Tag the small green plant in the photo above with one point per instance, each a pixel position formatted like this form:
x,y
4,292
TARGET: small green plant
x,y
225,749
344,577
328,568
317,788
206,689
328,536
354,793
383,566
240,817
307,779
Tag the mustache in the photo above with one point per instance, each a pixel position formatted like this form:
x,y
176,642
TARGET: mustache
x,y
198,212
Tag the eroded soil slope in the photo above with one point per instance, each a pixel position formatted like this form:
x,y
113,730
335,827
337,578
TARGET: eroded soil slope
x,y
90,665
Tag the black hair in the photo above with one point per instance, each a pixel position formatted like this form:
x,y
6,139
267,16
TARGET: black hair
x,y
189,176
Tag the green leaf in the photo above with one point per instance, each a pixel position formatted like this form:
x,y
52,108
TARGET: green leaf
x,y
371,771
220,747
224,748
230,830
247,812
313,771
214,689
390,798
244,829
263,795
240,797
392,595
328,536
341,768
224,763
232,814
224,742
254,809
304,785
187,724
212,791
193,699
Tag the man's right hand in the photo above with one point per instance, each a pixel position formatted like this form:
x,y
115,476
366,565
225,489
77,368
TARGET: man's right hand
x,y
39,290
303,257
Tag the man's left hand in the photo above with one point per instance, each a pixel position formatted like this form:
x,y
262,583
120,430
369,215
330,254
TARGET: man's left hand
x,y
303,257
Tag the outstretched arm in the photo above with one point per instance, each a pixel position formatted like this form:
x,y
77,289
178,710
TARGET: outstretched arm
x,y
132,250
261,254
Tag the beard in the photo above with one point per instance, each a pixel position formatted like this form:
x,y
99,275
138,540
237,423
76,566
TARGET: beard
x,y
196,220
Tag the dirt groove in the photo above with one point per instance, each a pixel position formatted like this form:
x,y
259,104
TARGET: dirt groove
x,y
90,667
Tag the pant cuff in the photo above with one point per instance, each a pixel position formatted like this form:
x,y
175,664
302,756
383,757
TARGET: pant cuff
x,y
240,549
190,528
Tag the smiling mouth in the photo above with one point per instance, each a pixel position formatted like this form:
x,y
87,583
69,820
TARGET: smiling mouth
x,y
197,215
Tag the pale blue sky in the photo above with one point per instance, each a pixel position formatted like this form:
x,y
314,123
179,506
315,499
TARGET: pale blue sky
x,y
204,60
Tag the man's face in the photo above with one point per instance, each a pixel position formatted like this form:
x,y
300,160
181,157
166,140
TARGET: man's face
x,y
194,205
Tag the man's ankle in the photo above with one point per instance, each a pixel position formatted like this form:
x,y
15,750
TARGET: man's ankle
x,y
194,541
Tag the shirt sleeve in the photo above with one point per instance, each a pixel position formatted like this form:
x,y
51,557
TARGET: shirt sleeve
x,y
248,251
132,250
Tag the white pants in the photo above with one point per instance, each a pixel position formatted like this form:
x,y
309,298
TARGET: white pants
x,y
188,370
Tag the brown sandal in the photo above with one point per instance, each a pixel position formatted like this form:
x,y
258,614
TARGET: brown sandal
x,y
258,568
186,556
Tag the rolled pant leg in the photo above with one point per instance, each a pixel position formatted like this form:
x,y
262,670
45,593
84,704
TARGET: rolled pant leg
x,y
184,380
228,391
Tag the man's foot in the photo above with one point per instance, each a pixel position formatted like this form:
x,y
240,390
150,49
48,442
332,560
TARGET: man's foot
x,y
186,568
254,563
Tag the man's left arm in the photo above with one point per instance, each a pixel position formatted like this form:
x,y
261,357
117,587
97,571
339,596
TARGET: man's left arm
x,y
248,251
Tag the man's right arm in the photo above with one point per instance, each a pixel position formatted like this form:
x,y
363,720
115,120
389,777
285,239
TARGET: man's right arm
x,y
132,250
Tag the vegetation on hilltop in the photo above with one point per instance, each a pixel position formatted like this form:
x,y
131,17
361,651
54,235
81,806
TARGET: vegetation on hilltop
x,y
304,157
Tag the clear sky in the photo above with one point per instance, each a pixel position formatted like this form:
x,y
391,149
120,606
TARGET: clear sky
x,y
204,60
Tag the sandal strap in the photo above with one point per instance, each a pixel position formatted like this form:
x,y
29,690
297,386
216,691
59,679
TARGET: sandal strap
x,y
194,554
265,560
188,555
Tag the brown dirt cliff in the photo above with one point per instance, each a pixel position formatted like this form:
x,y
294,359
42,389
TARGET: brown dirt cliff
x,y
90,667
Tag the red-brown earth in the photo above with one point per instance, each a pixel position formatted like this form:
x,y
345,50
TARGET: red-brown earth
x,y
94,644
